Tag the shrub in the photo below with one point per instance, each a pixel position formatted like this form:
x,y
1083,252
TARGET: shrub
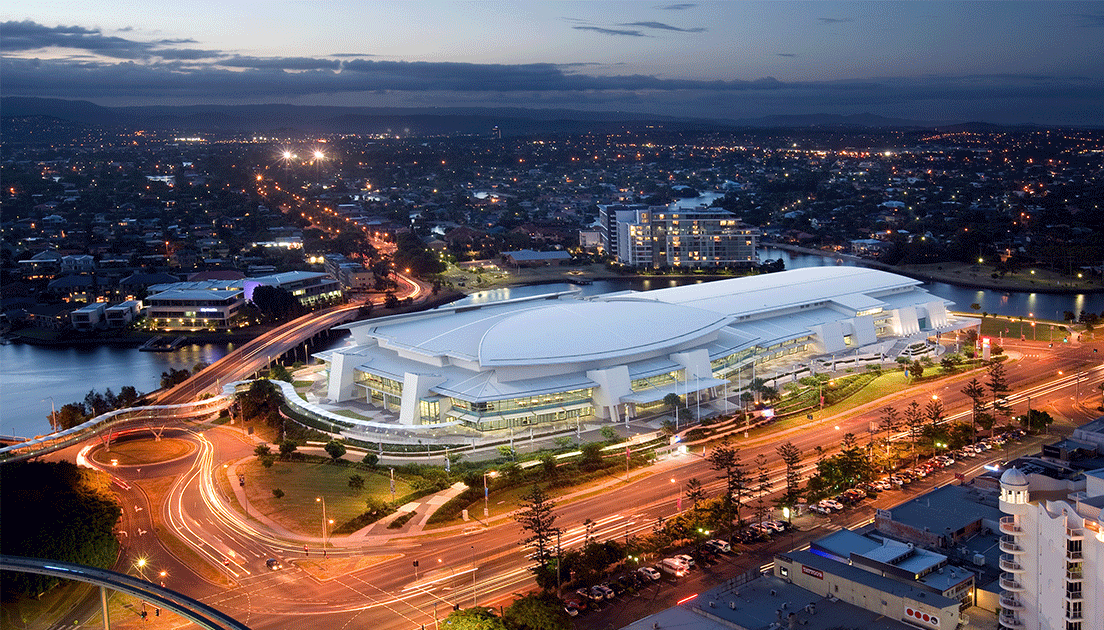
x,y
401,520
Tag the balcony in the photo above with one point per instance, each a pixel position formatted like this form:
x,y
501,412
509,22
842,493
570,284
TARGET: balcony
x,y
1008,544
1073,615
1008,582
1008,525
1073,596
1010,620
1073,533
1009,563
1074,556
1010,603
1075,575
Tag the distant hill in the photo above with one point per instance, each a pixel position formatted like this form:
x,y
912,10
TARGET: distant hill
x,y
424,121
831,120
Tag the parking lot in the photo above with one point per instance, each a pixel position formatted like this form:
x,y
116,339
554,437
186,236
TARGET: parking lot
x,y
758,550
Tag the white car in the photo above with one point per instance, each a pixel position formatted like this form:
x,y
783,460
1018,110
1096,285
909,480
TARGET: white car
x,y
718,545
687,560
649,573
831,503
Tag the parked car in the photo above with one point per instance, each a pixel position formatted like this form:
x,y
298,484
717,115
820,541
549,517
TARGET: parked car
x,y
689,560
649,573
757,529
628,582
571,608
720,546
606,591
831,504
673,566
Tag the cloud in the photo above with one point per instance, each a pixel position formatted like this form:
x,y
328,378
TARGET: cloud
x,y
610,31
677,7
828,20
280,63
352,55
665,27
169,72
25,36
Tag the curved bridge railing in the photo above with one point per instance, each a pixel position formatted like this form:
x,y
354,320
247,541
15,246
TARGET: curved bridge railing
x,y
111,420
197,612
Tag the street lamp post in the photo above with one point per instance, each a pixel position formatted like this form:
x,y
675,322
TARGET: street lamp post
x,y
53,413
486,493
322,500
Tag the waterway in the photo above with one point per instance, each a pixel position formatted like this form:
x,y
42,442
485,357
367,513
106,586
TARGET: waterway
x,y
31,374
1016,303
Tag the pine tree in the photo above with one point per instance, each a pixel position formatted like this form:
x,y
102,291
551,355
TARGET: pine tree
x,y
976,393
998,388
536,518
791,457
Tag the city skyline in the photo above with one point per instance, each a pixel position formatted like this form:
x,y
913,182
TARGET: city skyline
x,y
937,62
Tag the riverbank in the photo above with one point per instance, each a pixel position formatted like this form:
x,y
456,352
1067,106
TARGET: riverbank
x,y
130,339
498,278
978,276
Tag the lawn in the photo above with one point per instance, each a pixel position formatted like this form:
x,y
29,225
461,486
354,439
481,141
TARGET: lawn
x,y
302,482
144,451
1015,328
348,413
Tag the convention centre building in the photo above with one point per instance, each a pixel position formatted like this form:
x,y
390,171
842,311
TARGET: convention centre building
x,y
564,358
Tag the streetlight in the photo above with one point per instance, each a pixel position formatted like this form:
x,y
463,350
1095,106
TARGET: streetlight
x,y
322,500
53,413
140,564
486,493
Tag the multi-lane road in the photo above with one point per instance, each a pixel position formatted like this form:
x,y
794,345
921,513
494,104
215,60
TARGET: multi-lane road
x,y
488,566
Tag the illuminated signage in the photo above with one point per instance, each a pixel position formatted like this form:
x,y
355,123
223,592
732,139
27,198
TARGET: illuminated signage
x,y
918,615
813,572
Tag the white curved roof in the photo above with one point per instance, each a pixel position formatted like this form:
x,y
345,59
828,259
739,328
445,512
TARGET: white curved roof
x,y
569,331
857,286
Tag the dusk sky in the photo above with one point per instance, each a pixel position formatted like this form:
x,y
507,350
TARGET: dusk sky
x,y
1006,62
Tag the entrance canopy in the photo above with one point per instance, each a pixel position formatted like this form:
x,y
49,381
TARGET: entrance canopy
x,y
680,388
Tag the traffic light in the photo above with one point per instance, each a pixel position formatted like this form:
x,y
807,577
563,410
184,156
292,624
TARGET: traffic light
x,y
144,615
156,612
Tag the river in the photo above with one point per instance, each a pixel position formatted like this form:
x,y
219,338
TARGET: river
x,y
31,374
1041,305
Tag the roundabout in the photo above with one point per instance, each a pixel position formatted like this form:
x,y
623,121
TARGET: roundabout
x,y
140,450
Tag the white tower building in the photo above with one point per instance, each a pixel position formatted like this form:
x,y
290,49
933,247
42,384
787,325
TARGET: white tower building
x,y
1052,558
